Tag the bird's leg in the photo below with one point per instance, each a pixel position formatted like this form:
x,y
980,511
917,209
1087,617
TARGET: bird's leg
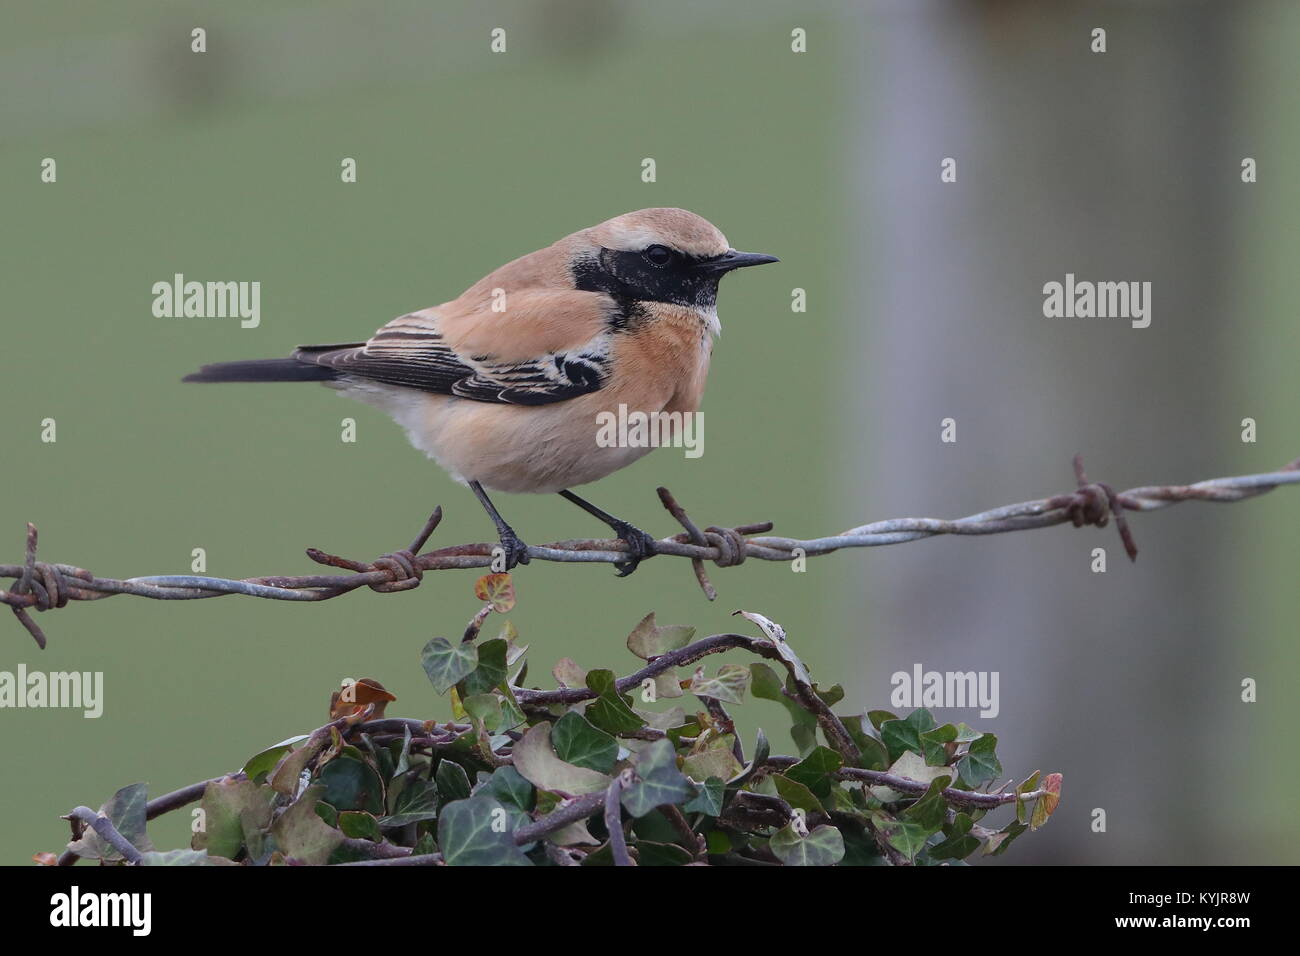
x,y
516,551
639,544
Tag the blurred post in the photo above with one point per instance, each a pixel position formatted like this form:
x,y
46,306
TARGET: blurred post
x,y
1113,166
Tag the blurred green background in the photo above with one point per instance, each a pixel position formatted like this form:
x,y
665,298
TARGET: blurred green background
x,y
225,166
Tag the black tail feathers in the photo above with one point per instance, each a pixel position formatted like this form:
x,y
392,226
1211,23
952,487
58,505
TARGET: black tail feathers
x,y
262,370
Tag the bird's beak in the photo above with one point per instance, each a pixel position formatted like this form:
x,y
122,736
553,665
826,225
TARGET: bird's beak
x,y
732,259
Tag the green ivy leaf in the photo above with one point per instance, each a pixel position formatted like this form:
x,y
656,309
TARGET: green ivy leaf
x,y
360,825
765,684
537,762
931,811
266,761
903,735
934,744
478,832
997,844
452,781
659,781
235,812
126,809
577,742
905,836
796,794
823,846
511,789
610,711
874,754
980,764
661,854
352,784
448,664
491,670
418,801
707,799
814,770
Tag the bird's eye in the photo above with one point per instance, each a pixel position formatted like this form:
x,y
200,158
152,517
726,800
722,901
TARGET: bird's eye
x,y
659,255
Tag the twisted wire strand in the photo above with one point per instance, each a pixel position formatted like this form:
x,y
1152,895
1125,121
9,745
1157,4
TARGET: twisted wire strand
x,y
43,586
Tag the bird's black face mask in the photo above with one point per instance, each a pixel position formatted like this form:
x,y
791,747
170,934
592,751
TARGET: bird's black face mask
x,y
660,274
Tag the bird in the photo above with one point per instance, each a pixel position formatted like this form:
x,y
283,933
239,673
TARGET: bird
x,y
503,385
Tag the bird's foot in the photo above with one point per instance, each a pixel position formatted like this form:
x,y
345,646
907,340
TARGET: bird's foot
x,y
639,547
513,551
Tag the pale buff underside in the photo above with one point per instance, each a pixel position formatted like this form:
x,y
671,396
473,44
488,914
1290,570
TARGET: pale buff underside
x,y
546,448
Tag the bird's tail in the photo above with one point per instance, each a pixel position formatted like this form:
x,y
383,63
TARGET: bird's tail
x,y
262,370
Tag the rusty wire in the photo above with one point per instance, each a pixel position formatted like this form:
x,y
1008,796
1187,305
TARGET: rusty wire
x,y
41,586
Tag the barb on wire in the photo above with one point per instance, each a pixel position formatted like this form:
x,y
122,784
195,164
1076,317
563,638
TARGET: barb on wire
x,y
41,586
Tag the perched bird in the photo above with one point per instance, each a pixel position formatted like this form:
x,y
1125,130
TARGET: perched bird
x,y
503,385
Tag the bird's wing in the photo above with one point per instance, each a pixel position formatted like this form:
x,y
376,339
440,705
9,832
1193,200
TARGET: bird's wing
x,y
534,353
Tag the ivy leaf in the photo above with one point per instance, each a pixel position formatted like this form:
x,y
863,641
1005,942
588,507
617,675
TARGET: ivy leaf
x,y
875,756
910,766
903,735
492,667
824,846
997,844
266,761
301,834
1045,804
486,710
980,766
567,673
351,784
659,781
878,717
934,744
814,770
477,832
418,801
648,641
497,590
661,854
796,794
511,789
960,842
577,742
931,810
1028,785
126,809
707,799
234,811
905,836
360,825
538,763
714,759
765,684
610,711
448,664
728,686
452,781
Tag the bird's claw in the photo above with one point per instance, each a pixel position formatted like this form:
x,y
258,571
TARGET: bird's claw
x,y
639,547
514,549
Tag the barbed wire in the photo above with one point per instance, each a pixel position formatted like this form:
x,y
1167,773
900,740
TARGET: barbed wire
x,y
42,586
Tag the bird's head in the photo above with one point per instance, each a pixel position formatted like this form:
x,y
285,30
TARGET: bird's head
x,y
657,255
